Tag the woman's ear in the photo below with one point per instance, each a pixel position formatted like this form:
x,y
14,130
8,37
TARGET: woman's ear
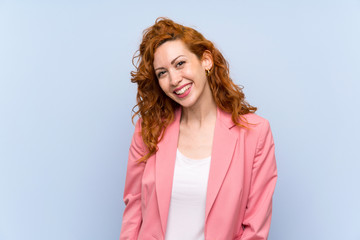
x,y
207,60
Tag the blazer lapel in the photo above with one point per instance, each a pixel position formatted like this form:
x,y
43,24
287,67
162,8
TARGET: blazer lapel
x,y
224,143
165,165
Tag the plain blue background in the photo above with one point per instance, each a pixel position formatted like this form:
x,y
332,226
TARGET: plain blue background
x,y
66,100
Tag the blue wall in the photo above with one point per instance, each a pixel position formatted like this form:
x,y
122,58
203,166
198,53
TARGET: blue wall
x,y
66,99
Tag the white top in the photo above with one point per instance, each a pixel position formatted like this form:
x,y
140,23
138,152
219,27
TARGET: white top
x,y
186,218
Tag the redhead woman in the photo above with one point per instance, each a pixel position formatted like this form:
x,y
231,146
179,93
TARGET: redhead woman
x,y
201,163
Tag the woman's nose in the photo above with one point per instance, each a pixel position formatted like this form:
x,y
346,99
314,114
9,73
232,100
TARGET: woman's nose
x,y
175,77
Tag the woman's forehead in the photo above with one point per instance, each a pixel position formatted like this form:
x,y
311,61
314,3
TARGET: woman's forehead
x,y
169,51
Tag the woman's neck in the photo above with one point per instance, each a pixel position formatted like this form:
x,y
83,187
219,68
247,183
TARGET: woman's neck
x,y
200,114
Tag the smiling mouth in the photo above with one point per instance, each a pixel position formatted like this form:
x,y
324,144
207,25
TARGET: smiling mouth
x,y
182,90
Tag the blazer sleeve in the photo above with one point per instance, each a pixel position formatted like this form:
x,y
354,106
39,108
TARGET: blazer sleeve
x,y
256,223
132,216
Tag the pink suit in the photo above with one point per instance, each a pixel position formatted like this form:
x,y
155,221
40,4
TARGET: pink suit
x,y
241,182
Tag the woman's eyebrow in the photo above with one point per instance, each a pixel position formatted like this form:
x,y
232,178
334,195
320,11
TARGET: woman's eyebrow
x,y
172,62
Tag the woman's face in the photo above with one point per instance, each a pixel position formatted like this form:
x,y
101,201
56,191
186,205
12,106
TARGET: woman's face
x,y
181,74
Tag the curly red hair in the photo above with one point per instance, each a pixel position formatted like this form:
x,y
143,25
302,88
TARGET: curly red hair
x,y
155,109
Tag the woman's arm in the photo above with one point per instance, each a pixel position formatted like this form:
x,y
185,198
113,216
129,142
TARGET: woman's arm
x,y
131,221
264,175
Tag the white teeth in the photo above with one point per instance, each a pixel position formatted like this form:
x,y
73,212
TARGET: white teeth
x,y
181,91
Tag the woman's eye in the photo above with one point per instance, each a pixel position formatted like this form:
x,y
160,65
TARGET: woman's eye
x,y
160,73
180,63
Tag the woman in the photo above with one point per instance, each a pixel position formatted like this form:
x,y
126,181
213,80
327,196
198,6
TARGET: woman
x,y
201,162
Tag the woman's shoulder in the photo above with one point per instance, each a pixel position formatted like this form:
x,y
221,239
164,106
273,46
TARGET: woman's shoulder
x,y
255,125
252,119
257,129
244,121
138,125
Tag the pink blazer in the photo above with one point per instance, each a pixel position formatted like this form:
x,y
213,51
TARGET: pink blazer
x,y
241,182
